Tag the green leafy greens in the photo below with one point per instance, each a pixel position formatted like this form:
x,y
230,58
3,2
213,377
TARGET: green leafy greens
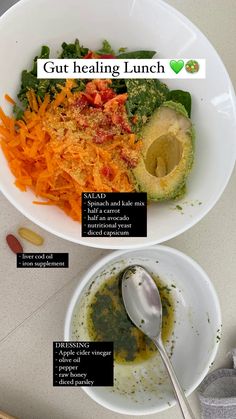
x,y
73,50
182,97
106,49
136,54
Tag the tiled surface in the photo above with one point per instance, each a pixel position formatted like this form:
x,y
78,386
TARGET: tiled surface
x,y
33,302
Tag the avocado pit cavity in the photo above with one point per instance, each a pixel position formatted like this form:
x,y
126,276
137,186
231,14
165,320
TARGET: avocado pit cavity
x,y
163,155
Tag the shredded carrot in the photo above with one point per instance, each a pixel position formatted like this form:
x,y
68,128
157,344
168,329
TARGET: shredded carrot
x,y
32,100
4,118
9,99
61,148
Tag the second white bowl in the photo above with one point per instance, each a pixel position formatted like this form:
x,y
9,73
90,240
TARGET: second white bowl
x,y
197,325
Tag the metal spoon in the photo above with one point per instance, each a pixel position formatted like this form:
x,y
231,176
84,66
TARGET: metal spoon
x,y
143,305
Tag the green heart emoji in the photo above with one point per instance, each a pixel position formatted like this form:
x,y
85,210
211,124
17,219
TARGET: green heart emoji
x,y
176,65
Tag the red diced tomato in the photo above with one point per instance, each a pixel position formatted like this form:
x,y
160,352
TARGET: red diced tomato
x,y
102,84
107,172
102,136
120,119
82,101
107,94
99,91
90,54
97,99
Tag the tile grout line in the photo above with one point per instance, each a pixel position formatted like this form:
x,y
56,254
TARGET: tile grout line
x,y
36,310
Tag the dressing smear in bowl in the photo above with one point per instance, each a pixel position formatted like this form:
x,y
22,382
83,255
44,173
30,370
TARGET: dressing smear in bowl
x,y
108,321
100,315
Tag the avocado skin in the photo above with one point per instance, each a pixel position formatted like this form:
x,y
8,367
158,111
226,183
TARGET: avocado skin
x,y
172,185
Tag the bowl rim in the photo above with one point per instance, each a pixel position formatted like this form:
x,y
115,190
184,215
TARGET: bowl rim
x,y
192,221
99,264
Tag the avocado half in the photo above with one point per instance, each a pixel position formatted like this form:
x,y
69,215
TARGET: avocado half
x,y
167,153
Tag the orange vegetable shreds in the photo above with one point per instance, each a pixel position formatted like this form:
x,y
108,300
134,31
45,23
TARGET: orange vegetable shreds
x,y
9,99
78,142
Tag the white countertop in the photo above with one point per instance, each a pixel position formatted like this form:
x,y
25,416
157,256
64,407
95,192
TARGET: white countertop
x,y
33,302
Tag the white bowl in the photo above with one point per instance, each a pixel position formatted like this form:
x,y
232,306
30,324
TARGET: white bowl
x,y
150,24
198,322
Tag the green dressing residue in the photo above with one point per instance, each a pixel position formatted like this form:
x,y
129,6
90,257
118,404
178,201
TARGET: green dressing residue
x,y
108,321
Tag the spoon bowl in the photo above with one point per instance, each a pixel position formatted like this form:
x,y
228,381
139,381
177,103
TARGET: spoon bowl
x,y
145,310
143,304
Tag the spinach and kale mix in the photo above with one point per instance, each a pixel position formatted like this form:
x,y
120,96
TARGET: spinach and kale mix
x,y
29,79
137,54
179,96
73,50
144,96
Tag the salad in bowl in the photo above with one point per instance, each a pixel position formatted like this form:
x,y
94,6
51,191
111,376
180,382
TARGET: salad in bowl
x,y
113,135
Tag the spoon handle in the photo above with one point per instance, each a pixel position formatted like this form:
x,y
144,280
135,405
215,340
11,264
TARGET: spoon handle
x,y
180,396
